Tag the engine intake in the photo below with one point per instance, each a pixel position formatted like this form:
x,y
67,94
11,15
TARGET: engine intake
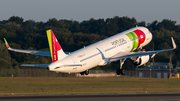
x,y
140,60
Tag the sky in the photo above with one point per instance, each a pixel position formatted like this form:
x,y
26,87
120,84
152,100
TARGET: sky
x,y
80,10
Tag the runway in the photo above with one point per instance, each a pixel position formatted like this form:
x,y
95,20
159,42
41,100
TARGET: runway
x,y
97,97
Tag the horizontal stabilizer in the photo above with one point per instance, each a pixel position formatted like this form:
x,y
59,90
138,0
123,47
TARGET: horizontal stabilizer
x,y
35,65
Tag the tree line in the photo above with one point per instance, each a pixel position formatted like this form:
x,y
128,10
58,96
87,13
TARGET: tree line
x,y
73,35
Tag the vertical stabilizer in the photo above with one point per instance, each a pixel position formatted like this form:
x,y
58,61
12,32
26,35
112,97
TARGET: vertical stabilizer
x,y
55,48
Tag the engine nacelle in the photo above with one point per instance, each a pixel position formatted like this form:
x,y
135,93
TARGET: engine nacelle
x,y
140,60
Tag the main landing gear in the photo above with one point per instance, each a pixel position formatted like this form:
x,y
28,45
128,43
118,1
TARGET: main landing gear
x,y
120,70
85,72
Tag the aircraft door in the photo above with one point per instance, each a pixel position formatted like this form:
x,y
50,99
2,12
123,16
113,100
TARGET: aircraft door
x,y
74,62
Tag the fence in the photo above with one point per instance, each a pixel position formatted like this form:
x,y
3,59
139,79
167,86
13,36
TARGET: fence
x,y
31,72
147,74
134,73
39,72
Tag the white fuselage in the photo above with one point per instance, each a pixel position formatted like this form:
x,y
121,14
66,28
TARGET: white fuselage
x,y
99,52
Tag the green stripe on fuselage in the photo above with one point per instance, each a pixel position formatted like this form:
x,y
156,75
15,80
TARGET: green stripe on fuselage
x,y
134,38
131,38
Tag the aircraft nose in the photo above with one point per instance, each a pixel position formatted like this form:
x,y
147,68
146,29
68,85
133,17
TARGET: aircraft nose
x,y
150,35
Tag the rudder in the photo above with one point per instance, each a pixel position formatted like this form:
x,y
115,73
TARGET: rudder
x,y
57,52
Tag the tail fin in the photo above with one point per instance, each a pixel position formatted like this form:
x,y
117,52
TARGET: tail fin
x,y
56,51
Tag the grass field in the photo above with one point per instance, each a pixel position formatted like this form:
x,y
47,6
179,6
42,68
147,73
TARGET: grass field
x,y
65,85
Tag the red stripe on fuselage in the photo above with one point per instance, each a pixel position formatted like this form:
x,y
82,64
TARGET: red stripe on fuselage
x,y
141,36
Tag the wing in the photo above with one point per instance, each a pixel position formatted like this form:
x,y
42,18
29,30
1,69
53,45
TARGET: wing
x,y
33,52
40,53
47,65
123,55
35,65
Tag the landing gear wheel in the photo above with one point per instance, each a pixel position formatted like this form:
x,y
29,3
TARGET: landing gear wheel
x,y
118,71
122,71
82,73
86,72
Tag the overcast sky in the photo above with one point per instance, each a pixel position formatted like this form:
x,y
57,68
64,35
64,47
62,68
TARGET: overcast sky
x,y
79,10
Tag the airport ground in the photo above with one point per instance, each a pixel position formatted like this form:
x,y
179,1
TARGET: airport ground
x,y
76,85
96,97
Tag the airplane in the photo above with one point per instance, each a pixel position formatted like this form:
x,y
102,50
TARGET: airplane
x,y
115,48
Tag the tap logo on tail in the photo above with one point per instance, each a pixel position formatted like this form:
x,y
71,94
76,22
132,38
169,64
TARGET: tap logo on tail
x,y
53,45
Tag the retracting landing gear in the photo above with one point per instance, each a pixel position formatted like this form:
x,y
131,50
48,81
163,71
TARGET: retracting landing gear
x,y
85,72
82,73
120,70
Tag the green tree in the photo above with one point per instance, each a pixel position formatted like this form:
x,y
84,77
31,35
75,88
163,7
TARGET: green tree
x,y
5,58
16,19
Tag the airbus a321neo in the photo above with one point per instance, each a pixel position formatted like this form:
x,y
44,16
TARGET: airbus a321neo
x,y
117,47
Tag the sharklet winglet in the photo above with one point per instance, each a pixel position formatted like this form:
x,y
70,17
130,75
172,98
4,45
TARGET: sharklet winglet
x,y
174,44
7,45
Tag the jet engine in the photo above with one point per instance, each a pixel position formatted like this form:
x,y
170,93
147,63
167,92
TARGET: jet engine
x,y
140,60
